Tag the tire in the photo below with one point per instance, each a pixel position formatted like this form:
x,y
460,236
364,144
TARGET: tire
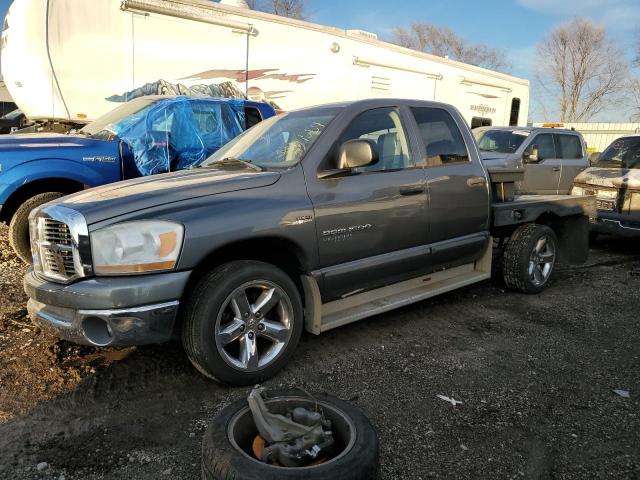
x,y
593,237
19,225
221,460
519,257
210,305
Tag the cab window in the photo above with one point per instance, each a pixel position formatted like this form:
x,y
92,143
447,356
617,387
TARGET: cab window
x,y
569,146
546,147
383,126
441,136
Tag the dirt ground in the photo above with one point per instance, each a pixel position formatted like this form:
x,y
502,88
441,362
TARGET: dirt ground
x,y
536,375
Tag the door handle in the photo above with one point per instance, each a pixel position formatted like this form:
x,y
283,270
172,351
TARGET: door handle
x,y
416,190
476,181
556,169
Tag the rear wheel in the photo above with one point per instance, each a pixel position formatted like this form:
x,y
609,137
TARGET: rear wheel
x,y
242,322
529,258
19,225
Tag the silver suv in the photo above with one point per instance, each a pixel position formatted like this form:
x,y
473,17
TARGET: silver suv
x,y
551,157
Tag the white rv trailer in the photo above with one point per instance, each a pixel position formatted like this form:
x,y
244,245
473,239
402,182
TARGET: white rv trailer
x,y
73,60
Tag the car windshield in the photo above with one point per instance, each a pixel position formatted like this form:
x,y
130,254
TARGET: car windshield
x,y
279,142
117,114
501,141
623,153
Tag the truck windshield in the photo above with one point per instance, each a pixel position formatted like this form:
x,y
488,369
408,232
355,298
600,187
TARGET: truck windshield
x,y
623,153
279,142
501,141
117,114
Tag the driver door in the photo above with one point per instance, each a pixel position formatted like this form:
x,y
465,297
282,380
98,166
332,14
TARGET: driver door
x,y
371,223
543,175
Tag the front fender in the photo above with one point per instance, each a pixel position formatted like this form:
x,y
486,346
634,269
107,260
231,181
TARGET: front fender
x,y
92,174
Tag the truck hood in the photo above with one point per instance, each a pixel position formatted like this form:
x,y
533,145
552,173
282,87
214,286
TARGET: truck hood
x,y
16,150
120,198
36,141
610,177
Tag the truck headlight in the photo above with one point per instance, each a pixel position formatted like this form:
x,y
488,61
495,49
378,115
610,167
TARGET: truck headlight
x,y
577,191
136,247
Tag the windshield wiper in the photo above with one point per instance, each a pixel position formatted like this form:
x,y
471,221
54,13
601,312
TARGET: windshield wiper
x,y
233,161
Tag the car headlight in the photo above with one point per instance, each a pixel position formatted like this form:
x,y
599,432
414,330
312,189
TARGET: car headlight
x,y
607,194
577,190
136,247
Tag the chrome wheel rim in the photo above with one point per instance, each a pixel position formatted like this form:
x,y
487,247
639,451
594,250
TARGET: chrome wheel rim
x,y
254,325
542,260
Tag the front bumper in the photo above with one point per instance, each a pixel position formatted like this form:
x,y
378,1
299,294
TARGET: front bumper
x,y
613,223
113,311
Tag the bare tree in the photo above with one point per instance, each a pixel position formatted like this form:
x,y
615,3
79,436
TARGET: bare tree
x,y
580,68
284,8
444,42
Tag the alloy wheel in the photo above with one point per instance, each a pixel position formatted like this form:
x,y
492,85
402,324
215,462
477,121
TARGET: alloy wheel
x,y
542,259
254,325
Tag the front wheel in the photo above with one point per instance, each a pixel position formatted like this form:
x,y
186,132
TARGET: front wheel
x,y
242,322
529,258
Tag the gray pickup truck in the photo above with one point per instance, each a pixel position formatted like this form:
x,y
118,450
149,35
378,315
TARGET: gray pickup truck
x,y
310,220
550,157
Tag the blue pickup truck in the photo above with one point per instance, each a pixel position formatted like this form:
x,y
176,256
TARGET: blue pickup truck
x,y
145,136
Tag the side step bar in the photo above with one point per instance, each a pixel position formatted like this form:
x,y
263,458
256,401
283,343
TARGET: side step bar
x,y
322,317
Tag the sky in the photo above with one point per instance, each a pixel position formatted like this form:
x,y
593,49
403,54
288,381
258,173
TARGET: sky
x,y
515,26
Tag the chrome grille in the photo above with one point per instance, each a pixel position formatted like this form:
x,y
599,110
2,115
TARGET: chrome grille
x,y
605,204
56,249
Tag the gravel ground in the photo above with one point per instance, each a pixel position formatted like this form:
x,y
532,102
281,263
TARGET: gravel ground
x,y
536,375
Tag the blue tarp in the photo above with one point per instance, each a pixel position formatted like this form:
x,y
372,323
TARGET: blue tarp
x,y
180,132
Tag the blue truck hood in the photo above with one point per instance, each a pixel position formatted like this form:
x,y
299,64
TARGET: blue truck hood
x,y
18,149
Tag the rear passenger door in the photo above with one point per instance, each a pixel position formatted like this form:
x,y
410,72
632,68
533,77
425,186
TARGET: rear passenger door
x,y
542,176
574,160
456,186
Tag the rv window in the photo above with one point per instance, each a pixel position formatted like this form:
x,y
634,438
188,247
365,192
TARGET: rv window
x,y
569,146
515,112
480,122
252,116
441,136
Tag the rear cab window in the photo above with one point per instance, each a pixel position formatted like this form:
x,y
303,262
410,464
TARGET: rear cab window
x,y
441,137
569,146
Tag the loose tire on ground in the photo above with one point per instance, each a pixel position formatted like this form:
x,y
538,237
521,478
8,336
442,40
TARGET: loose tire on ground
x,y
19,225
518,257
204,305
221,460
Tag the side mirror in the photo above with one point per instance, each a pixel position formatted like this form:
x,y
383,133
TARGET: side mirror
x,y
532,156
594,158
357,153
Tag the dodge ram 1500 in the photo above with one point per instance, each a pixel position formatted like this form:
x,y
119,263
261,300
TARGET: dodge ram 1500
x,y
312,219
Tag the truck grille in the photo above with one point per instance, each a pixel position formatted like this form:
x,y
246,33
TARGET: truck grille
x,y
605,204
56,249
